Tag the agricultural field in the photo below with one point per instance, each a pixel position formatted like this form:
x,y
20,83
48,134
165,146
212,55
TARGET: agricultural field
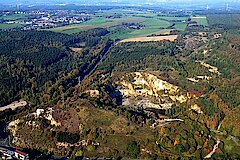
x,y
201,20
155,23
151,23
96,23
151,39
14,17
180,26
120,11
9,26
171,18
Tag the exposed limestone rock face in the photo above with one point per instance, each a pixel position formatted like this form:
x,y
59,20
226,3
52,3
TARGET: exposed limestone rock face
x,y
210,68
196,108
93,93
47,114
153,92
193,80
204,77
39,112
199,78
13,127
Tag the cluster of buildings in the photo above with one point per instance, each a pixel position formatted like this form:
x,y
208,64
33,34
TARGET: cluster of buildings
x,y
11,153
44,19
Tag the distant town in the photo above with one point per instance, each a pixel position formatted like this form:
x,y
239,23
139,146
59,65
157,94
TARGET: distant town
x,y
36,19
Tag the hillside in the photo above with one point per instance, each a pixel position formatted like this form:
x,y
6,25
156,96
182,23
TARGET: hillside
x,y
41,48
127,100
33,61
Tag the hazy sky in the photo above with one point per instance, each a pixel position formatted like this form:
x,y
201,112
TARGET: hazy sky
x,y
119,1
170,4
133,1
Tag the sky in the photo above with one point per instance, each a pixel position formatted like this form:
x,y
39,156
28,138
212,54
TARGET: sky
x,y
127,2
117,1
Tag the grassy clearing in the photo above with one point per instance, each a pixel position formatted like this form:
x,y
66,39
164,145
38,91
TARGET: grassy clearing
x,y
117,131
163,31
97,23
128,33
201,20
147,15
152,26
143,32
180,26
14,17
9,26
155,23
119,11
168,18
107,120
119,34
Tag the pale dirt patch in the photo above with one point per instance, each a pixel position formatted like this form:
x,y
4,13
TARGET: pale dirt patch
x,y
151,39
14,105
77,50
211,69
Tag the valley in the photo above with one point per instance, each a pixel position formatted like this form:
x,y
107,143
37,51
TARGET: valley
x,y
126,83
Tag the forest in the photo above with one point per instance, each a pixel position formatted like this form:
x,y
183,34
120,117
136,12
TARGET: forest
x,y
227,21
32,61
78,76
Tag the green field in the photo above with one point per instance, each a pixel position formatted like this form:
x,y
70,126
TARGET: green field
x,y
153,23
173,18
97,23
201,20
14,17
119,11
9,26
180,26
151,27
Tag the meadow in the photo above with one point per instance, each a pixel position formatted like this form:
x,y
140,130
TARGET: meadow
x,y
9,26
201,20
14,17
96,23
154,24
